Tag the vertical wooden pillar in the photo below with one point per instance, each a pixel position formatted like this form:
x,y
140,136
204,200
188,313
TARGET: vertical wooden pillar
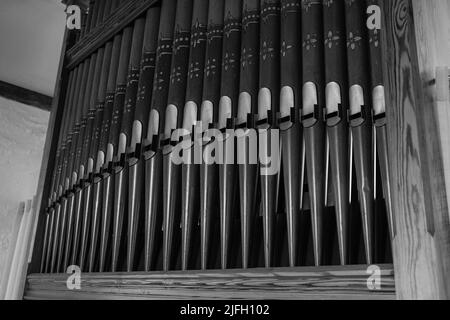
x,y
12,246
17,276
421,247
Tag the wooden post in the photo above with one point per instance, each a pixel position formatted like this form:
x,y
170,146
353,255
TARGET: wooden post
x,y
24,259
421,246
20,255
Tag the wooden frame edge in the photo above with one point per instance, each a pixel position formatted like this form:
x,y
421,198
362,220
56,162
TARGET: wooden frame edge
x,y
349,282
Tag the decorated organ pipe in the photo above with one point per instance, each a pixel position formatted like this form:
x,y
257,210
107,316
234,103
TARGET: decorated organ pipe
x,y
336,106
245,122
268,109
288,120
360,117
313,97
103,164
190,171
126,135
172,134
209,115
229,97
153,155
140,125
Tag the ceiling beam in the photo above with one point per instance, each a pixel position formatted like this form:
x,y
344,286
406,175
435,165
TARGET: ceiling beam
x,y
25,96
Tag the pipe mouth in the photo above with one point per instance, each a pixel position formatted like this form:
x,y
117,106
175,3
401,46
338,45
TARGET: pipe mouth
x,y
244,107
119,169
149,155
167,150
132,162
97,180
106,174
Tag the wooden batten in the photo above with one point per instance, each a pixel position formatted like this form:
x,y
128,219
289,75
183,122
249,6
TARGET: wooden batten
x,y
17,274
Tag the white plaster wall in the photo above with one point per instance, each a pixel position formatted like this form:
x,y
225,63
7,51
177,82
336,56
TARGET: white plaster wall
x,y
31,35
22,137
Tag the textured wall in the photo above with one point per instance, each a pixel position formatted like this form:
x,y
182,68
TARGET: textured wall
x,y
22,137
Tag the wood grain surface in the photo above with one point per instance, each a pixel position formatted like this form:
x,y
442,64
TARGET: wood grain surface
x,y
416,162
432,27
348,282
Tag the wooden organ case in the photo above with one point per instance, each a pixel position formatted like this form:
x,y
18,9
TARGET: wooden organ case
x,y
344,92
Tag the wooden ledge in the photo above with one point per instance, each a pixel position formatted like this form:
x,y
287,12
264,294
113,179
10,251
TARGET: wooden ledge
x,y
349,282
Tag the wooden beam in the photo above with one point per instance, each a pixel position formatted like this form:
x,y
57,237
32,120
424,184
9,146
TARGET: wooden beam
x,y
420,248
18,273
349,282
25,96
